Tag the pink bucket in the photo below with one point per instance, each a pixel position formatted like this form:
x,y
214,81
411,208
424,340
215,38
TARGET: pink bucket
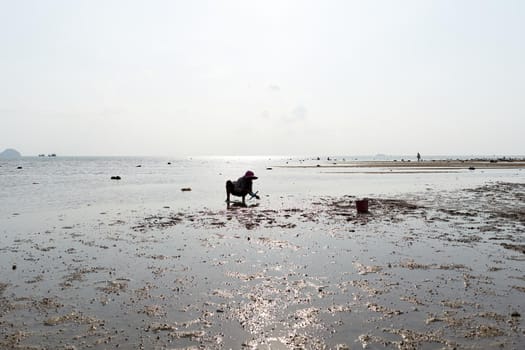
x,y
361,205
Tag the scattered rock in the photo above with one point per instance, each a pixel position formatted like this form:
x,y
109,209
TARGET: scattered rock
x,y
116,178
185,189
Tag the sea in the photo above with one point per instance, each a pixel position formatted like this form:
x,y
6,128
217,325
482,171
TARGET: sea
x,y
50,184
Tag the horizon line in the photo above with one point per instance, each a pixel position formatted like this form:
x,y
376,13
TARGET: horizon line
x,y
377,155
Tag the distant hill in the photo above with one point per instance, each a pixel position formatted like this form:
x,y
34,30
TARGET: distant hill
x,y
10,154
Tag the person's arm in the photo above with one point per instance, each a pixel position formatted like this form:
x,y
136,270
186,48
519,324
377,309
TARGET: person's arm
x,y
249,189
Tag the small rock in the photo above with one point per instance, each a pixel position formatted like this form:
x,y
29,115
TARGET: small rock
x,y
185,189
14,267
515,314
116,178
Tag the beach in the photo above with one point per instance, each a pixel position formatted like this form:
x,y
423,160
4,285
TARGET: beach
x,y
90,263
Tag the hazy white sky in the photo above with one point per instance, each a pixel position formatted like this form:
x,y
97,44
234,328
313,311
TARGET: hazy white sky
x,y
262,77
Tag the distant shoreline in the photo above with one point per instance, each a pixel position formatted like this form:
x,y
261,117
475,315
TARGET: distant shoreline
x,y
437,164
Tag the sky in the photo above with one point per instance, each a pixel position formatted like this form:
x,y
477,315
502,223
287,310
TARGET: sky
x,y
272,77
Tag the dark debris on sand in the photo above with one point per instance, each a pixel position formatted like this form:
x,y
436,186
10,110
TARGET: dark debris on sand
x,y
321,210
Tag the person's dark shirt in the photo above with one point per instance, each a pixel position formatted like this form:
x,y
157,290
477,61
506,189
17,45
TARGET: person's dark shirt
x,y
243,186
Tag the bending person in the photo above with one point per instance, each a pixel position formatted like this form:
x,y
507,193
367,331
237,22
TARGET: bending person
x,y
241,187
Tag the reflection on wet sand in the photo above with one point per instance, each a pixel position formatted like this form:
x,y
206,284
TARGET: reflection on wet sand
x,y
432,270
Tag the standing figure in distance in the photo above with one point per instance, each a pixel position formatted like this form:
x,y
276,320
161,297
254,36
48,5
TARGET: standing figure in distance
x,y
418,157
241,187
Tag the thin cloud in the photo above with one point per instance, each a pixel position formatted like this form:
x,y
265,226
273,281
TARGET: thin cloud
x,y
265,114
297,114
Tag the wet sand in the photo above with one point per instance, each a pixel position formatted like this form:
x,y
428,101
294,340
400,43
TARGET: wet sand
x,y
433,270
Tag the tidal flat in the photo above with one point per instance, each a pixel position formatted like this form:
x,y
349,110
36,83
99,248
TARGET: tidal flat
x,y
439,270
157,260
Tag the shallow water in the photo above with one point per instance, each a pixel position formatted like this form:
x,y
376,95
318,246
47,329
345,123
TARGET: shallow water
x,y
72,183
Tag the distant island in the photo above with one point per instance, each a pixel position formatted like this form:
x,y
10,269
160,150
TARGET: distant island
x,y
10,154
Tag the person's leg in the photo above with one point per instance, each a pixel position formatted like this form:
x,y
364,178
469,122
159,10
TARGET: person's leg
x,y
229,189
